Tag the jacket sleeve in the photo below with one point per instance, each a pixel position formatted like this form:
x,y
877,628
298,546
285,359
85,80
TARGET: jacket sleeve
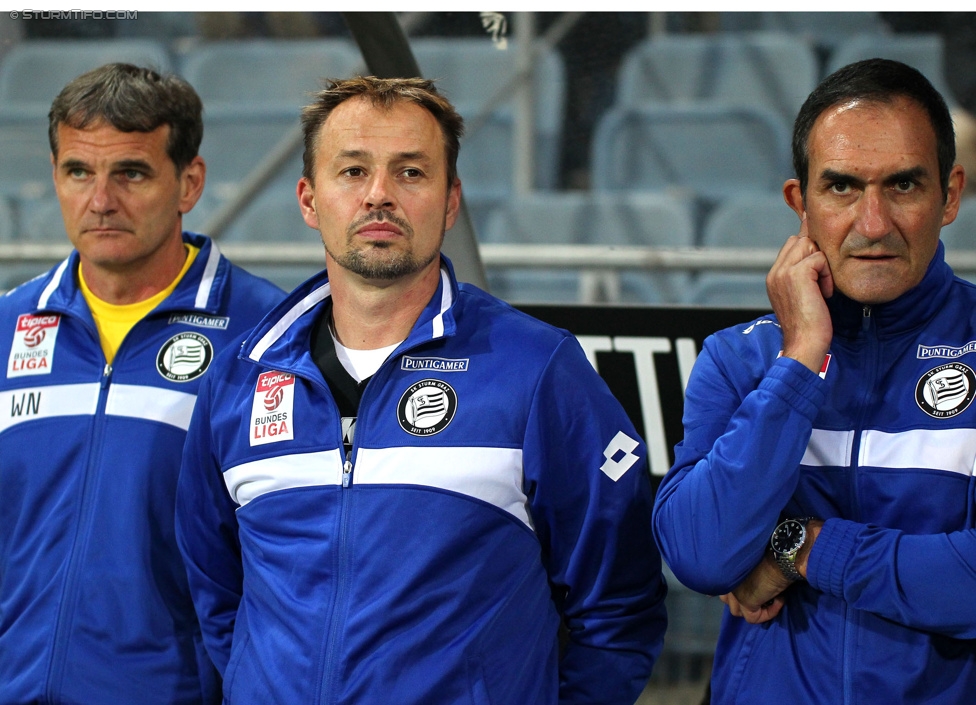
x,y
920,581
590,497
206,532
745,432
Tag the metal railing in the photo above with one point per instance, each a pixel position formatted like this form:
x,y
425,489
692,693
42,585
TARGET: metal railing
x,y
590,260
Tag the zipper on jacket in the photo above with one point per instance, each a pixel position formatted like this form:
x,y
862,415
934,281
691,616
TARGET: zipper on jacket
x,y
69,594
327,679
851,621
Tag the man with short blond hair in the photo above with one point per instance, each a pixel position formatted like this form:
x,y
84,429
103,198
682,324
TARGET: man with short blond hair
x,y
402,487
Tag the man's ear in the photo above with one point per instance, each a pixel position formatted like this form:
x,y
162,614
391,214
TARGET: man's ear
x,y
956,186
306,202
793,195
453,204
192,179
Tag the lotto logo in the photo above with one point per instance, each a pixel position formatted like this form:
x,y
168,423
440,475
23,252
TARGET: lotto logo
x,y
619,456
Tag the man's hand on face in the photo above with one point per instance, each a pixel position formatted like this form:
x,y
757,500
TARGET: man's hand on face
x,y
798,284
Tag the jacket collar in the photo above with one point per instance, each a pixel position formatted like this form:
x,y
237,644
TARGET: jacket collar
x,y
281,339
199,290
910,310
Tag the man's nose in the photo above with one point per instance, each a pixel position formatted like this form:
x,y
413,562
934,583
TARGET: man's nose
x,y
873,215
103,198
379,195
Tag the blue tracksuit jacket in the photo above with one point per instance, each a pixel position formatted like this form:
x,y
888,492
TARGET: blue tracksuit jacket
x,y
94,603
883,448
494,486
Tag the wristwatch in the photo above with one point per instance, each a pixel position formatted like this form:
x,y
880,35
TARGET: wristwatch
x,y
787,540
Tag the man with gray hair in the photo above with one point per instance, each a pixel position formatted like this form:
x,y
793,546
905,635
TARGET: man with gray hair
x,y
104,354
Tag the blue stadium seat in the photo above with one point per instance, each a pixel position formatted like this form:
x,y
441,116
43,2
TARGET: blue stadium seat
x,y
758,220
267,72
167,26
273,217
644,220
752,220
236,139
540,218
926,52
8,224
470,72
730,289
33,72
480,208
774,70
580,218
485,160
13,275
708,150
25,167
40,220
825,29
961,233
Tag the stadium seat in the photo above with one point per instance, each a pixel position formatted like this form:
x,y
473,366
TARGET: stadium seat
x,y
540,218
825,29
961,233
160,25
25,167
41,221
470,72
267,72
274,217
774,70
581,218
236,139
33,72
8,224
485,162
13,275
926,52
730,289
711,151
751,220
643,220
757,220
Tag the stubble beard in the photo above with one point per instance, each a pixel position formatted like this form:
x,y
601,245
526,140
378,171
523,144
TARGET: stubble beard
x,y
378,260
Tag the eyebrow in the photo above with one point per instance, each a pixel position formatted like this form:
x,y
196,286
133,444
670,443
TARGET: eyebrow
x,y
133,164
915,173
140,164
399,157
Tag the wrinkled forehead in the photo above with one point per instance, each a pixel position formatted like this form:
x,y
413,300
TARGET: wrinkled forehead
x,y
861,129
362,125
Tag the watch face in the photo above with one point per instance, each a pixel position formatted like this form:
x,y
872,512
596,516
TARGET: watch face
x,y
788,536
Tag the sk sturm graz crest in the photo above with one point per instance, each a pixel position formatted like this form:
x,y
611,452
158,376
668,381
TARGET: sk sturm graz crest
x,y
946,390
427,407
184,357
